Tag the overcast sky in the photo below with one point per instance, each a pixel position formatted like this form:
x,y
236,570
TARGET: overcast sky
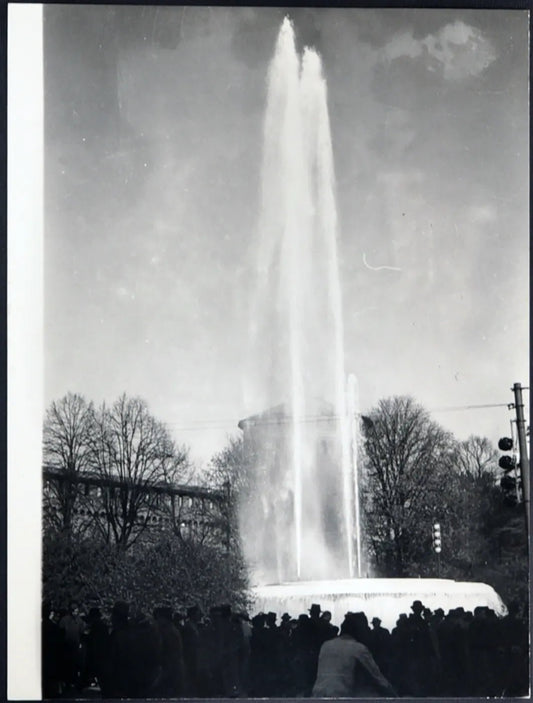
x,y
153,145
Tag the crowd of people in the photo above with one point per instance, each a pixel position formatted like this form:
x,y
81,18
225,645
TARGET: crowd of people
x,y
227,654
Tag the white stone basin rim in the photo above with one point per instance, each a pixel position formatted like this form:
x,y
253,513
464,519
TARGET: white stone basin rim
x,y
383,598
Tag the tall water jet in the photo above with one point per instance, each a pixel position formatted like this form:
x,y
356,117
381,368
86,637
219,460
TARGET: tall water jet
x,y
301,522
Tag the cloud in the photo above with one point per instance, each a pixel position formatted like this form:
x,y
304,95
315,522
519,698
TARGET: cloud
x,y
403,45
458,50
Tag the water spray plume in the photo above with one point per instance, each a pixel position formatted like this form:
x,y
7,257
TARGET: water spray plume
x,y
304,472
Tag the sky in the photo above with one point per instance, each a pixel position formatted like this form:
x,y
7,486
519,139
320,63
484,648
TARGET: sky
x,y
153,146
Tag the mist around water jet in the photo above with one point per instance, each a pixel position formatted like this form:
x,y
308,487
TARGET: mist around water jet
x,y
298,522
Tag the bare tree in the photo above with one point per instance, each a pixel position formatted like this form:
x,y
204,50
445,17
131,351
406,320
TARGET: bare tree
x,y
231,471
134,458
407,459
476,458
232,465
66,451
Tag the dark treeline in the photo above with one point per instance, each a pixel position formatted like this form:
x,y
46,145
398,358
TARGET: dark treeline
x,y
167,654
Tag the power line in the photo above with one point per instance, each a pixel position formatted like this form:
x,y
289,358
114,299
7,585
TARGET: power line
x,y
230,423
469,407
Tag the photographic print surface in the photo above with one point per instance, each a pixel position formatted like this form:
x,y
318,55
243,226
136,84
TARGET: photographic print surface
x,y
285,331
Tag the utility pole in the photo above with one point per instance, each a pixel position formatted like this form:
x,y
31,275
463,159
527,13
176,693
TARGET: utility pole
x,y
522,445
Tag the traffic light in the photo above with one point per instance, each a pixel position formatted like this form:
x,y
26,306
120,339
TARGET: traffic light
x,y
508,463
437,538
505,444
508,483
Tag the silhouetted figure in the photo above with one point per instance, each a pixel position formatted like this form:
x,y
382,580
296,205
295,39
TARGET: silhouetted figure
x,y
96,650
483,641
422,654
364,631
346,667
225,643
318,633
330,631
145,657
258,649
244,663
205,656
134,655
452,635
285,631
400,655
380,646
285,624
305,656
272,659
170,683
514,654
191,649
73,627
52,644
117,685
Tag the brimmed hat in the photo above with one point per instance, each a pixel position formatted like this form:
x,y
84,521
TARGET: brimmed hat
x,y
315,608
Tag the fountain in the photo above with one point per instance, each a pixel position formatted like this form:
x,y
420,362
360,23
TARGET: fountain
x,y
308,525
300,519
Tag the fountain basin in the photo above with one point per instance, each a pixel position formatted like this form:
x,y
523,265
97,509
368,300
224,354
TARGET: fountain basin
x,y
382,598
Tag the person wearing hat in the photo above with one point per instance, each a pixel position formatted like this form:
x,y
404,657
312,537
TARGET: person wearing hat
x,y
318,632
314,611
330,630
284,627
417,607
380,646
422,655
346,668
303,657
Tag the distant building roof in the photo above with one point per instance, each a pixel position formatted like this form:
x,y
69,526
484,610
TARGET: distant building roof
x,y
167,488
316,409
